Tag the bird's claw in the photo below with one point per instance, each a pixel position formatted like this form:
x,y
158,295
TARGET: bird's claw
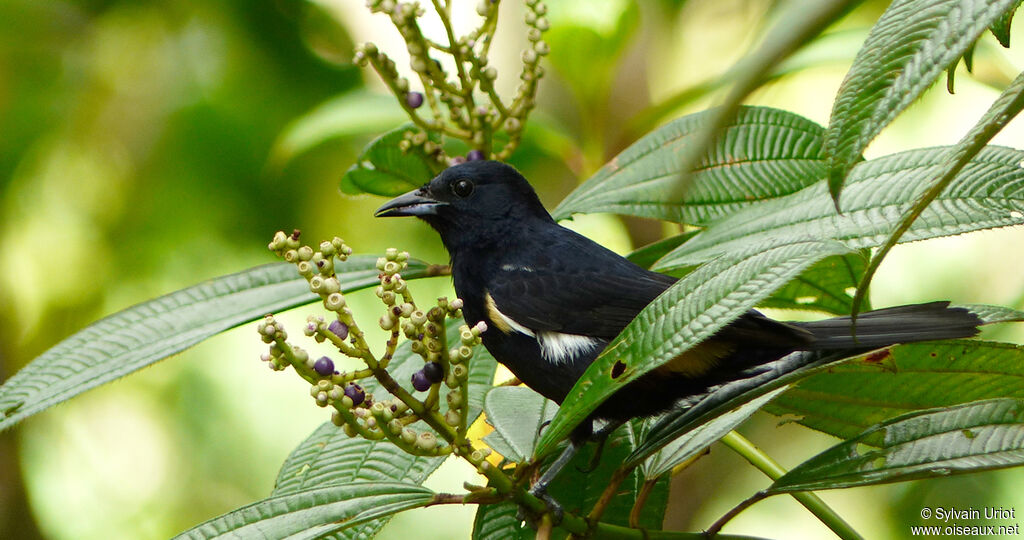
x,y
553,508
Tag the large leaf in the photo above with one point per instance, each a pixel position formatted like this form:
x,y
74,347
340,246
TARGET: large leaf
x,y
847,399
688,312
764,153
500,522
383,168
684,448
142,334
907,50
972,437
335,507
826,286
988,193
517,414
329,457
722,399
1002,111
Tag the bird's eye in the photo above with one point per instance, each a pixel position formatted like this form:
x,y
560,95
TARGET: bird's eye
x,y
463,188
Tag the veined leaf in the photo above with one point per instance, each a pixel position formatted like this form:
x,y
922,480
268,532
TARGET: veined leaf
x,y
988,193
142,334
337,507
683,448
683,316
764,153
826,286
722,399
849,398
517,414
1001,28
580,485
384,169
908,48
1004,109
500,522
971,437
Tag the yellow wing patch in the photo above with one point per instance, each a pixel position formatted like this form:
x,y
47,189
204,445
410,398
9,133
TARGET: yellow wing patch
x,y
500,320
698,360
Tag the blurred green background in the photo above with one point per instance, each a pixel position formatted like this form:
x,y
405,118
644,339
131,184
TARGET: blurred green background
x,y
151,144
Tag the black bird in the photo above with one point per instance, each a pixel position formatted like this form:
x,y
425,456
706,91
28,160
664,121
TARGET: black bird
x,y
553,299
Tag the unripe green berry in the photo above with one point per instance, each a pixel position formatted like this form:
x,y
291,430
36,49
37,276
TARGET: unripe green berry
x,y
337,419
452,418
409,436
426,441
334,301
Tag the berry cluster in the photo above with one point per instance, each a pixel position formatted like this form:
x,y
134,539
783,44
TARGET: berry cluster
x,y
463,104
355,409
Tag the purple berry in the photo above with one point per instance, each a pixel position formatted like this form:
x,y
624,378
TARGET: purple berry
x,y
355,393
433,371
420,381
414,100
474,155
324,366
339,328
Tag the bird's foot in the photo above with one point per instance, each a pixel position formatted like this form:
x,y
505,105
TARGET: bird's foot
x,y
553,508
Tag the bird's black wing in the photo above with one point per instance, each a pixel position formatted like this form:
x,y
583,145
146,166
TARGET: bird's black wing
x,y
563,282
570,284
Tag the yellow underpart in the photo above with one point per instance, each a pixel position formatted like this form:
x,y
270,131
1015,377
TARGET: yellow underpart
x,y
698,360
495,316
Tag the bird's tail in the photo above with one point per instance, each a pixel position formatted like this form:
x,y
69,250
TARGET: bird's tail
x,y
889,326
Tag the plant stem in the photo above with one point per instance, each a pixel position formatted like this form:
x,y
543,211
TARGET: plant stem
x,y
773,470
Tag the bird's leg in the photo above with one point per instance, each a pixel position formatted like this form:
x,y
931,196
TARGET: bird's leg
x,y
601,437
577,439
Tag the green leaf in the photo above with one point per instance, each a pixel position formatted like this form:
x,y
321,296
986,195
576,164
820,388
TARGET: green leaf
x,y
764,153
728,396
683,448
142,334
908,48
517,414
649,254
352,114
847,399
827,286
1001,28
971,437
578,487
987,193
315,512
500,522
692,309
1005,108
580,484
328,457
384,169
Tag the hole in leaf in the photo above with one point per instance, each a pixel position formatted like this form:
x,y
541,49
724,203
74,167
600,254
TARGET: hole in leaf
x,y
618,369
803,300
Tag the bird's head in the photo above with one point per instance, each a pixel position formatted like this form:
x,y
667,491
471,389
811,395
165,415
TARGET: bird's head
x,y
471,202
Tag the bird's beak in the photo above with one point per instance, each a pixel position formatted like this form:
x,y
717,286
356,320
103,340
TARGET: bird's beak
x,y
414,203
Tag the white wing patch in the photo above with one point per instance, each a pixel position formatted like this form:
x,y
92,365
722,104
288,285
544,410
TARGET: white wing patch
x,y
559,348
555,347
